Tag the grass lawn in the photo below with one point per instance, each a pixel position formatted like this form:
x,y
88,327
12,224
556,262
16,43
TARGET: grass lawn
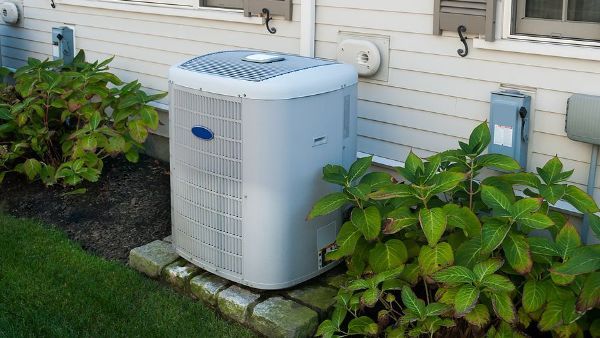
x,y
50,287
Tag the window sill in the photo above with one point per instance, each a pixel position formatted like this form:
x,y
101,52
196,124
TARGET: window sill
x,y
218,14
542,46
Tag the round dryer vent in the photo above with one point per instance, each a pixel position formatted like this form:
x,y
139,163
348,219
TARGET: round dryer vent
x,y
363,55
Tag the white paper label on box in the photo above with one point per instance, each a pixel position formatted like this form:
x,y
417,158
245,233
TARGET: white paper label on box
x,y
55,51
503,135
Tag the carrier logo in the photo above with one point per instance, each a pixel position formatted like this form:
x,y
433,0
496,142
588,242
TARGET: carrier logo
x,y
203,133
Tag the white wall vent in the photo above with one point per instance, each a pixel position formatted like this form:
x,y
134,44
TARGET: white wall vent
x,y
249,135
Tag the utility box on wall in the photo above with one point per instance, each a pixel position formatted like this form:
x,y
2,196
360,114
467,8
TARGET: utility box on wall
x,y
509,124
63,44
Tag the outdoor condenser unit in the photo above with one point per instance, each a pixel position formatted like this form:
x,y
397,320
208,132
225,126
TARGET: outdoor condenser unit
x,y
249,135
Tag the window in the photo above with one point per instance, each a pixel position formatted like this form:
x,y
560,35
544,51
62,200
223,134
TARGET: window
x,y
234,4
568,19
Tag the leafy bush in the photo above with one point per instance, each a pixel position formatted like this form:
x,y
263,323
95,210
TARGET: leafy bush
x,y
448,249
57,123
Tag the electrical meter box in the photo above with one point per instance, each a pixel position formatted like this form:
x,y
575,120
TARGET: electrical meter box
x,y
509,124
583,118
63,44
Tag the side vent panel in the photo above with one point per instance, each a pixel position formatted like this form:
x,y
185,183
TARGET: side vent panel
x,y
206,178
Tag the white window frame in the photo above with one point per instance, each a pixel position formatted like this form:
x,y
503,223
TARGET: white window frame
x,y
196,12
506,41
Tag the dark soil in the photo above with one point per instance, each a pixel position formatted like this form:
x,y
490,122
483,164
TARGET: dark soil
x,y
128,207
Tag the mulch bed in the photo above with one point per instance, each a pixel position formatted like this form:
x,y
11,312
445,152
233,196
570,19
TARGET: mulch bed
x,y
129,207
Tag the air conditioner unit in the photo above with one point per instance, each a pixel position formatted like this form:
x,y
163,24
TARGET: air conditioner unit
x,y
249,135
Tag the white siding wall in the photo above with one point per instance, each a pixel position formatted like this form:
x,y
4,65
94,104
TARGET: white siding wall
x,y
433,97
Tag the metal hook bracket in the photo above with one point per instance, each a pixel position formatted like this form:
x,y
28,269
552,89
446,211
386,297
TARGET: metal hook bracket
x,y
268,19
463,52
52,4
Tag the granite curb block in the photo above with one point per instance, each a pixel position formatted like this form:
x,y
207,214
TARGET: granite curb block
x,y
288,313
236,302
207,286
180,273
279,317
151,258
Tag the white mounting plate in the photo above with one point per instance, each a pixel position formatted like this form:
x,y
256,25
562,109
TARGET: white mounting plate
x,y
383,44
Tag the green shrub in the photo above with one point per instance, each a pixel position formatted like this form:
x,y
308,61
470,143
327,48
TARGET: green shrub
x,y
57,123
448,248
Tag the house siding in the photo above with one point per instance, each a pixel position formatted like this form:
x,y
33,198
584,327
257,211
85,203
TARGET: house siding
x,y
432,99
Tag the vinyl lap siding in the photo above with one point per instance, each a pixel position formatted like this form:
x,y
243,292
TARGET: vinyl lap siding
x,y
434,97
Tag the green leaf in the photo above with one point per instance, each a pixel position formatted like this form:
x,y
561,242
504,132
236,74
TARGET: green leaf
x,y
433,221
595,328
498,161
580,200
149,116
493,234
399,219
503,306
446,181
368,221
116,144
138,130
567,240
525,207
363,325
469,253
436,258
335,174
360,191
79,191
495,199
487,267
32,168
392,191
594,222
525,179
480,138
589,297
413,303
346,240
132,156
497,283
387,256
413,167
377,179
479,316
536,221
464,218
516,250
328,204
466,299
552,316
551,171
583,259
88,142
338,316
359,168
327,329
436,309
553,193
543,246
95,120
370,296
455,275
534,295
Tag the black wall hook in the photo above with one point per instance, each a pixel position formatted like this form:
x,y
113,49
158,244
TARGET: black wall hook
x,y
52,4
463,52
268,17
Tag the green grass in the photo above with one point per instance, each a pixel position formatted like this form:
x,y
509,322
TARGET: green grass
x,y
49,287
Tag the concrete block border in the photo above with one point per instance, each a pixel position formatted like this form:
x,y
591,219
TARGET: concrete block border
x,y
294,312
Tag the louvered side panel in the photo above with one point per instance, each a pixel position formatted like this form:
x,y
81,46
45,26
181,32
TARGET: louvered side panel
x,y
478,16
207,178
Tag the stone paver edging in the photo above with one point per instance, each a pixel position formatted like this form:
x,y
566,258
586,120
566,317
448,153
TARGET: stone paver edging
x,y
289,313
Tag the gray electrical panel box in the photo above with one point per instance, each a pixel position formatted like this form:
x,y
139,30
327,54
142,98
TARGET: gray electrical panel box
x,y
583,118
509,124
63,44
